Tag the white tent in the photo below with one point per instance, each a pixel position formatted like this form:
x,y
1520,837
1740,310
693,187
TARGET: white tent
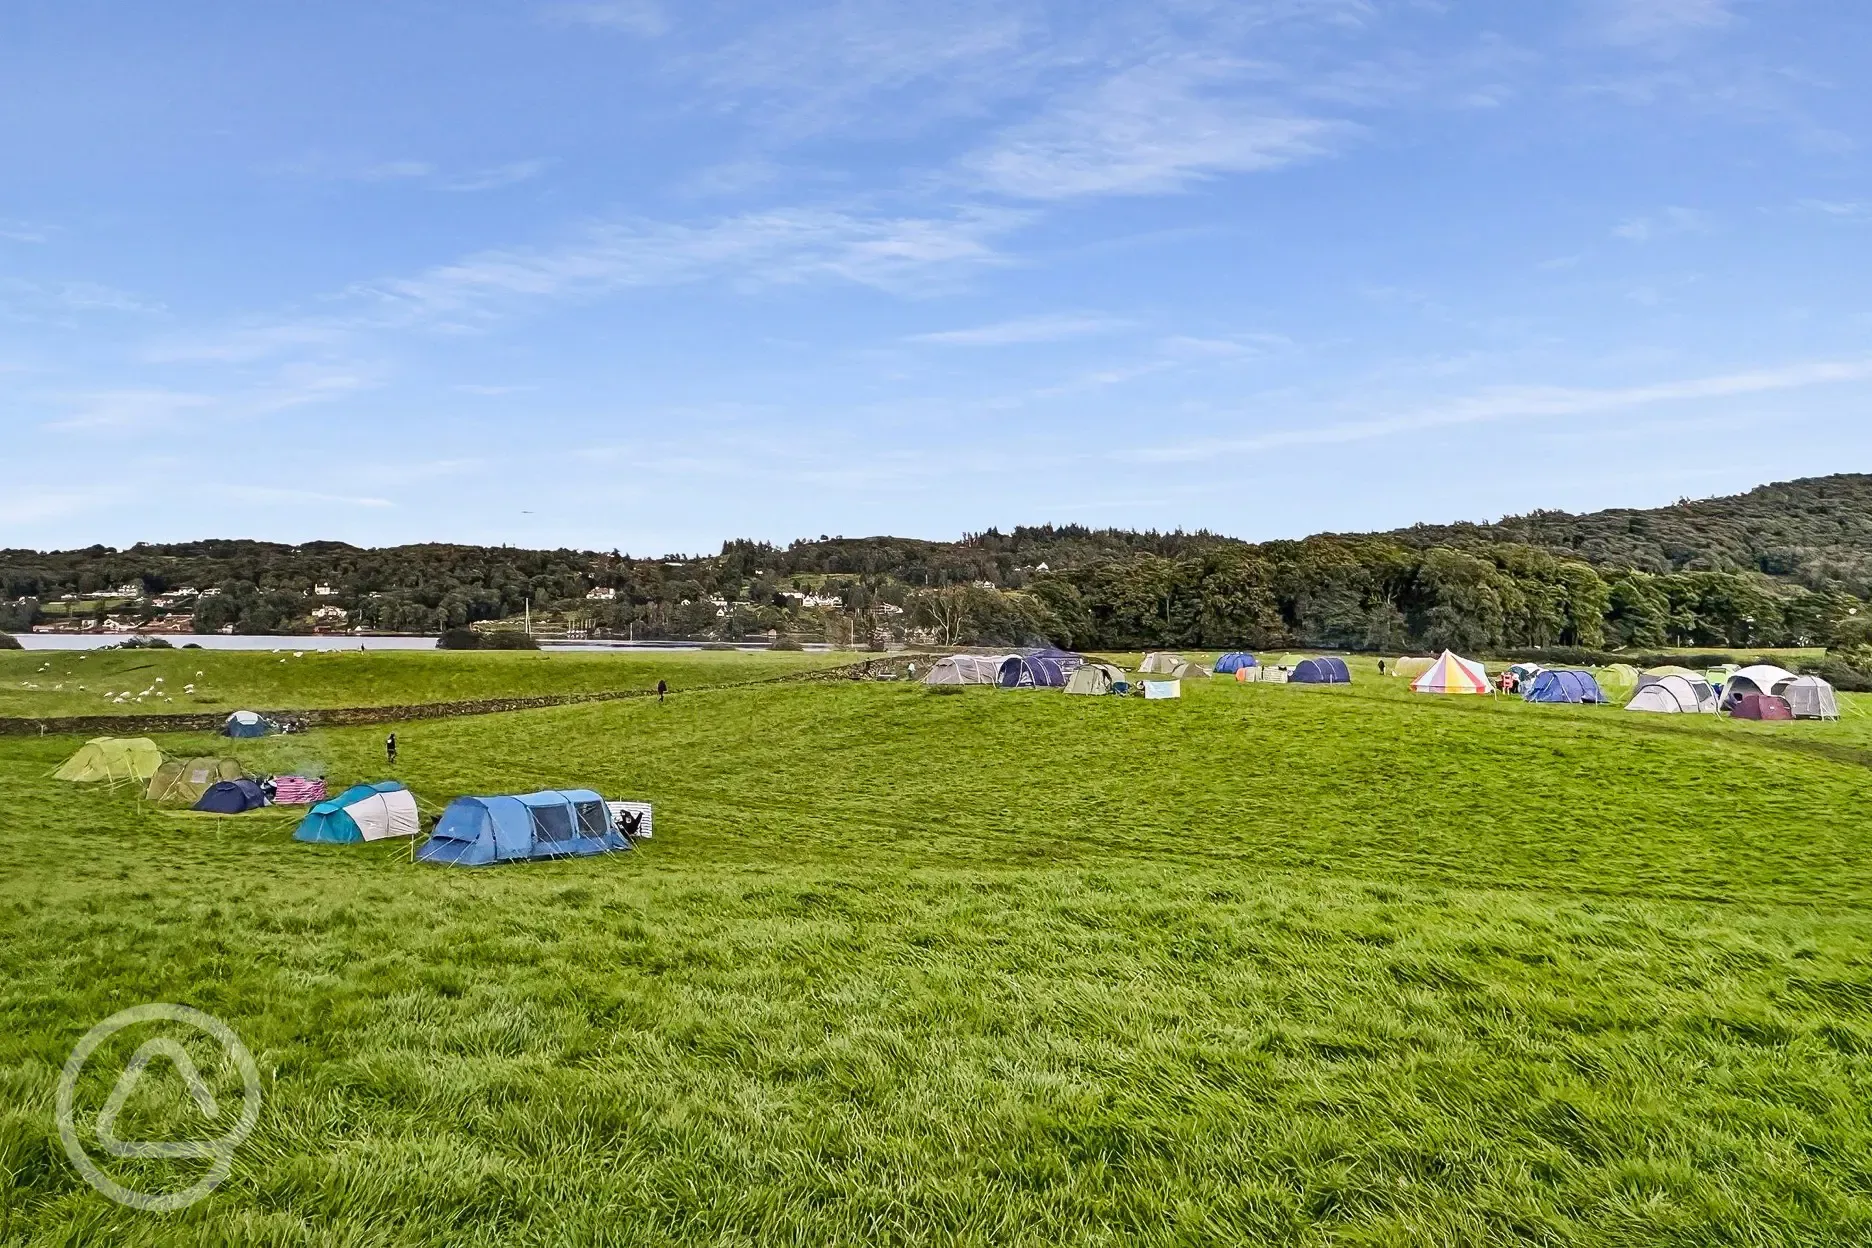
x,y
1809,697
964,669
1761,678
1674,695
384,815
1160,663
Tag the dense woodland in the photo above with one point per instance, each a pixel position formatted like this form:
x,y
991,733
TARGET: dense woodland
x,y
1786,564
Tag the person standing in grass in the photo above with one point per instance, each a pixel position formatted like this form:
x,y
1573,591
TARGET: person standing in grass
x,y
389,749
1381,667
662,688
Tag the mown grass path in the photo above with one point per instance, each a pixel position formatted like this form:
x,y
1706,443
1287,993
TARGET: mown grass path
x,y
1283,965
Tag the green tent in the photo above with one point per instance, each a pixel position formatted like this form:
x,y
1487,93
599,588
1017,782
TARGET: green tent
x,y
113,760
182,781
1094,678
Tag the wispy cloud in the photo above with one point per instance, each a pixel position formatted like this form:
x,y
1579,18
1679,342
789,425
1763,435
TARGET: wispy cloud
x,y
1525,403
496,177
631,17
1154,128
1055,328
130,410
1839,210
23,231
1632,23
1664,224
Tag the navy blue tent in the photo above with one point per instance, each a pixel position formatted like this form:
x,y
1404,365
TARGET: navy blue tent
x,y
1233,662
246,724
1564,686
1020,672
1326,671
1067,661
231,797
556,823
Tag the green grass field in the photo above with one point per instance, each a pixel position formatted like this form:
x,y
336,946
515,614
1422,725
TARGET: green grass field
x,y
53,683
1263,965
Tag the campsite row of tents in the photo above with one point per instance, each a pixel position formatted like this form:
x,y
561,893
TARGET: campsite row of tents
x,y
1762,692
1057,669
471,831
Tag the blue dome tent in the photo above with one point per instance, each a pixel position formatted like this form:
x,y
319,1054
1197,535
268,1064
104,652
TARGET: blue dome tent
x,y
231,797
1326,671
1234,661
363,812
246,724
554,823
1564,686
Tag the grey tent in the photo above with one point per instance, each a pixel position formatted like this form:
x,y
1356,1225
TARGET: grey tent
x,y
964,669
1185,670
1159,663
1674,695
1758,678
1809,697
1094,678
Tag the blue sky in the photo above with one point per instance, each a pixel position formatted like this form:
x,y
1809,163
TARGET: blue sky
x,y
646,275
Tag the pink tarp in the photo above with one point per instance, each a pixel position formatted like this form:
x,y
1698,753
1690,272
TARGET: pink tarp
x,y
297,791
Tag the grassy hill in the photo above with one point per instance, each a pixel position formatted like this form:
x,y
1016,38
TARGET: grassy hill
x,y
1268,964
64,682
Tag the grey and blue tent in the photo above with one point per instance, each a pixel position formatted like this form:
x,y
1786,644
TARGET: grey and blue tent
x,y
1234,661
363,812
1564,686
1326,671
246,724
554,823
231,797
1067,661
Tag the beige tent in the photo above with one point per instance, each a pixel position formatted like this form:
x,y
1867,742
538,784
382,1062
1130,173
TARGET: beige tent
x,y
1183,669
112,760
1266,674
1674,695
1159,663
1094,678
182,781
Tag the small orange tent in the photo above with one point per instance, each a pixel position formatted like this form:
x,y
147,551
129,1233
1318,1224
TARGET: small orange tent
x,y
1452,674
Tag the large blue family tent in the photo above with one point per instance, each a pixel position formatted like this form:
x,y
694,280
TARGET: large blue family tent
x,y
1564,686
363,812
231,797
1233,662
1326,671
1019,672
1067,661
476,831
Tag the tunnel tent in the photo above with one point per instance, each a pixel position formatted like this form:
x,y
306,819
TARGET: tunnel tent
x,y
1674,695
182,781
1329,670
1561,685
1066,660
1622,675
1760,706
553,823
1093,679
112,760
1758,678
363,812
964,669
1810,697
230,797
1019,672
1452,673
1233,662
1159,663
246,724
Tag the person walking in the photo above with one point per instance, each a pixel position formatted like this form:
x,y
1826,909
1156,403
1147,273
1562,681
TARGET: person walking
x,y
1381,667
389,749
662,688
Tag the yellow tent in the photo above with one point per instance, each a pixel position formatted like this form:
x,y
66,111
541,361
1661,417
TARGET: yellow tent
x,y
182,781
112,759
